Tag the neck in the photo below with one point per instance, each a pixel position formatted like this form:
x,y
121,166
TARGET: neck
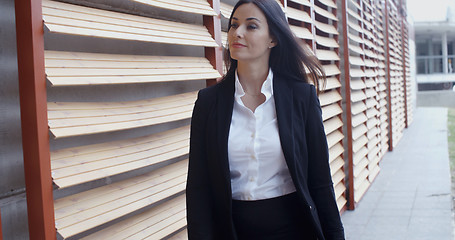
x,y
252,76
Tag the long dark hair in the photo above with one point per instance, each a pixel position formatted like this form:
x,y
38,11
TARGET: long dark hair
x,y
287,57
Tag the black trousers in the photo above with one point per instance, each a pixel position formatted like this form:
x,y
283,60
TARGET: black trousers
x,y
280,218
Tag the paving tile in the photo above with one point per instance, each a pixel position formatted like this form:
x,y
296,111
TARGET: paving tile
x,y
410,199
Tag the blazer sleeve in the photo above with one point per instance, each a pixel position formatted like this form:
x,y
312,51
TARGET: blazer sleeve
x,y
319,178
198,200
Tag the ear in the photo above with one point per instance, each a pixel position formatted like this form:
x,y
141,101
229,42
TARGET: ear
x,y
273,43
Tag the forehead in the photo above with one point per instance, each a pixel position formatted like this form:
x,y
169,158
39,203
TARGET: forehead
x,y
248,11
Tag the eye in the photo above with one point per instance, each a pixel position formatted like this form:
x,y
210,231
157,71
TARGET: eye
x,y
252,26
234,25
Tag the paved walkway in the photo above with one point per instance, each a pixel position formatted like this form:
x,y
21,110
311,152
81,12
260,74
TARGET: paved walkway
x,y
411,197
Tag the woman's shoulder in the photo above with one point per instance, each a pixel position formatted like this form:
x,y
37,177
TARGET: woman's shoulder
x,y
212,91
296,84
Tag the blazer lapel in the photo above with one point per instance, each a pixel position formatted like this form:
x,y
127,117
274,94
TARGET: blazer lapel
x,y
284,101
225,100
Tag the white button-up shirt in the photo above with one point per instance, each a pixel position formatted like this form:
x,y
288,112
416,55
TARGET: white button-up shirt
x,y
256,161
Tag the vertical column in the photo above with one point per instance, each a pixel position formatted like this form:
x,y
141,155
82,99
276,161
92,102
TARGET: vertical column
x,y
404,44
347,88
445,58
430,60
33,103
387,56
214,54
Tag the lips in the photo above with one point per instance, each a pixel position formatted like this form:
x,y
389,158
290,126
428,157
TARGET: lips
x,y
238,45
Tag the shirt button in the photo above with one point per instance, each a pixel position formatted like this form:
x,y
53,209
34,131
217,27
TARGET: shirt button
x,y
253,157
252,135
252,179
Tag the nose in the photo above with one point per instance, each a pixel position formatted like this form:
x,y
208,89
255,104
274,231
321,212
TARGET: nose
x,y
239,32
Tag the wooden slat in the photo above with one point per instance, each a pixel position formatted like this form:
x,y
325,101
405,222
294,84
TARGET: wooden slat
x,y
362,189
298,15
327,55
358,107
359,131
356,72
72,19
332,83
332,124
73,118
355,26
334,138
328,3
327,42
357,96
301,32
331,111
182,235
359,143
355,38
302,2
83,211
335,166
359,119
354,14
226,9
355,4
327,28
335,151
224,39
77,165
356,49
325,13
76,68
156,223
191,6
329,97
353,60
357,84
331,70
339,189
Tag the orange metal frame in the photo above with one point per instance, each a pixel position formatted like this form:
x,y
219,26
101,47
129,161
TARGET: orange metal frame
x,y
389,95
403,39
347,88
33,106
214,54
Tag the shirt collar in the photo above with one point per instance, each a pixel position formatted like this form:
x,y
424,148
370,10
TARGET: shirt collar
x,y
266,89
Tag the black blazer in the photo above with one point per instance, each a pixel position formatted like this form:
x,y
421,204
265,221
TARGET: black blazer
x,y
304,143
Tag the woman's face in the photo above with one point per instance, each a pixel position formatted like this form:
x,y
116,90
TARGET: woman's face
x,y
249,38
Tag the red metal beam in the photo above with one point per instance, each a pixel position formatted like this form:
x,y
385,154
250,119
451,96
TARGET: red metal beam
x,y
214,54
389,95
33,104
347,87
403,58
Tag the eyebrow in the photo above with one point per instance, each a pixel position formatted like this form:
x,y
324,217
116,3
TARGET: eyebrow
x,y
248,19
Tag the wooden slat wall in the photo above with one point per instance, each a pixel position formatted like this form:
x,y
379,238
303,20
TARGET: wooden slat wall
x,y
325,46
396,81
359,62
407,73
370,82
315,23
149,205
152,205
381,88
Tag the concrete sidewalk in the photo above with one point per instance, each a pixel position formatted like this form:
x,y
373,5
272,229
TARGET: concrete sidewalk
x,y
411,197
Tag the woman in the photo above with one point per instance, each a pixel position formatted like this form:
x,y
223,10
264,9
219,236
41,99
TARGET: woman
x,y
258,166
